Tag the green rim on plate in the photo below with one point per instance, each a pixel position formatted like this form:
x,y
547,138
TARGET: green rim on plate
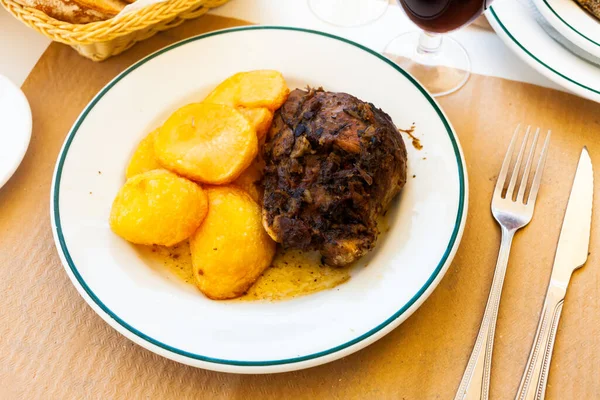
x,y
569,25
511,37
73,268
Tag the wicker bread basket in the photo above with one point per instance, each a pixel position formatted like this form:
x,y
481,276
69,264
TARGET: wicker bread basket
x,y
101,40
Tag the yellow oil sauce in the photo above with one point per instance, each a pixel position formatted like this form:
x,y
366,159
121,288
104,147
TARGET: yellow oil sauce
x,y
383,224
293,273
176,260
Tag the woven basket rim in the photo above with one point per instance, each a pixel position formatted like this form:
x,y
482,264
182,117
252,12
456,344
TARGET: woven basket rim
x,y
140,19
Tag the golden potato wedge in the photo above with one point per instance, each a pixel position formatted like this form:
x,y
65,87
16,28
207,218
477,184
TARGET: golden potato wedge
x,y
226,92
250,180
230,249
209,143
143,159
259,118
252,89
158,207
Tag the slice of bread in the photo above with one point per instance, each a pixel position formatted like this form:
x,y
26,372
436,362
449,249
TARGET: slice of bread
x,y
110,7
67,10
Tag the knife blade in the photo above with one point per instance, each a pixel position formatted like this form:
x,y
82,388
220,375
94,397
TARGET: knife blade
x,y
573,243
571,253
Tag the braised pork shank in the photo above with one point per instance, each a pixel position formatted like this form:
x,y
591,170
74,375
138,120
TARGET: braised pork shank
x,y
333,164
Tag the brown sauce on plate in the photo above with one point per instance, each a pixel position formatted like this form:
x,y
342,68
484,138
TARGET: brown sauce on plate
x,y
416,142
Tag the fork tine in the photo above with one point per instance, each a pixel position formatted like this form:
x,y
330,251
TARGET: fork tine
x,y
515,174
537,179
525,177
506,164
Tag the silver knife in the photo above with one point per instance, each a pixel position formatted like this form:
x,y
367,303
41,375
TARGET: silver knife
x,y
571,253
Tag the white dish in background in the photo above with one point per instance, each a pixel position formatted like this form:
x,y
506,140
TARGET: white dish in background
x,y
573,22
174,319
15,128
518,28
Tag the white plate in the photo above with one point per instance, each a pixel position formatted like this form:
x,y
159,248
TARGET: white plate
x,y
570,20
518,28
174,319
15,128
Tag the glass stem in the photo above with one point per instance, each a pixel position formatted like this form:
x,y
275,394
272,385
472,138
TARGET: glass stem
x,y
429,43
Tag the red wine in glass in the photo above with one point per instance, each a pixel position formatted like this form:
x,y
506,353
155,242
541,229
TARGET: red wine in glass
x,y
442,16
440,63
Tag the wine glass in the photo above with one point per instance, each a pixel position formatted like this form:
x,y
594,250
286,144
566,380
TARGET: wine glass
x,y
439,62
348,13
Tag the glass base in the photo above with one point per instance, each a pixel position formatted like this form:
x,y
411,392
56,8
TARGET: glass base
x,y
442,70
348,13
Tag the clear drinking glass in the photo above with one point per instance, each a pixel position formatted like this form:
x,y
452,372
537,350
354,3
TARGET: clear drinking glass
x,y
439,62
348,13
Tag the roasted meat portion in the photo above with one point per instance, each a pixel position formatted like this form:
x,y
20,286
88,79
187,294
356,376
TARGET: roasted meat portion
x,y
334,163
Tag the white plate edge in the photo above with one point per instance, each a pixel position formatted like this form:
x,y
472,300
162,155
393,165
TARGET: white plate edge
x,y
580,90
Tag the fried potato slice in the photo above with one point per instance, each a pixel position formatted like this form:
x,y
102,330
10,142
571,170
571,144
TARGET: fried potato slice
x,y
250,180
252,89
158,207
260,119
230,249
144,158
208,143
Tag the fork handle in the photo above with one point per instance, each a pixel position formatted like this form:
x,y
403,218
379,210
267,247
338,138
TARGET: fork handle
x,y
475,382
535,376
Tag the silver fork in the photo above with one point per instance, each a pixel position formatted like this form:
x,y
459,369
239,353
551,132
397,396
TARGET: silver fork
x,y
511,214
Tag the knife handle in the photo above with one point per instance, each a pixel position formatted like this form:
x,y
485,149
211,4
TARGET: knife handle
x,y
535,376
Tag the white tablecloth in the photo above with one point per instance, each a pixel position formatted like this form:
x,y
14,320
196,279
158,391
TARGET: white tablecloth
x,y
21,47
